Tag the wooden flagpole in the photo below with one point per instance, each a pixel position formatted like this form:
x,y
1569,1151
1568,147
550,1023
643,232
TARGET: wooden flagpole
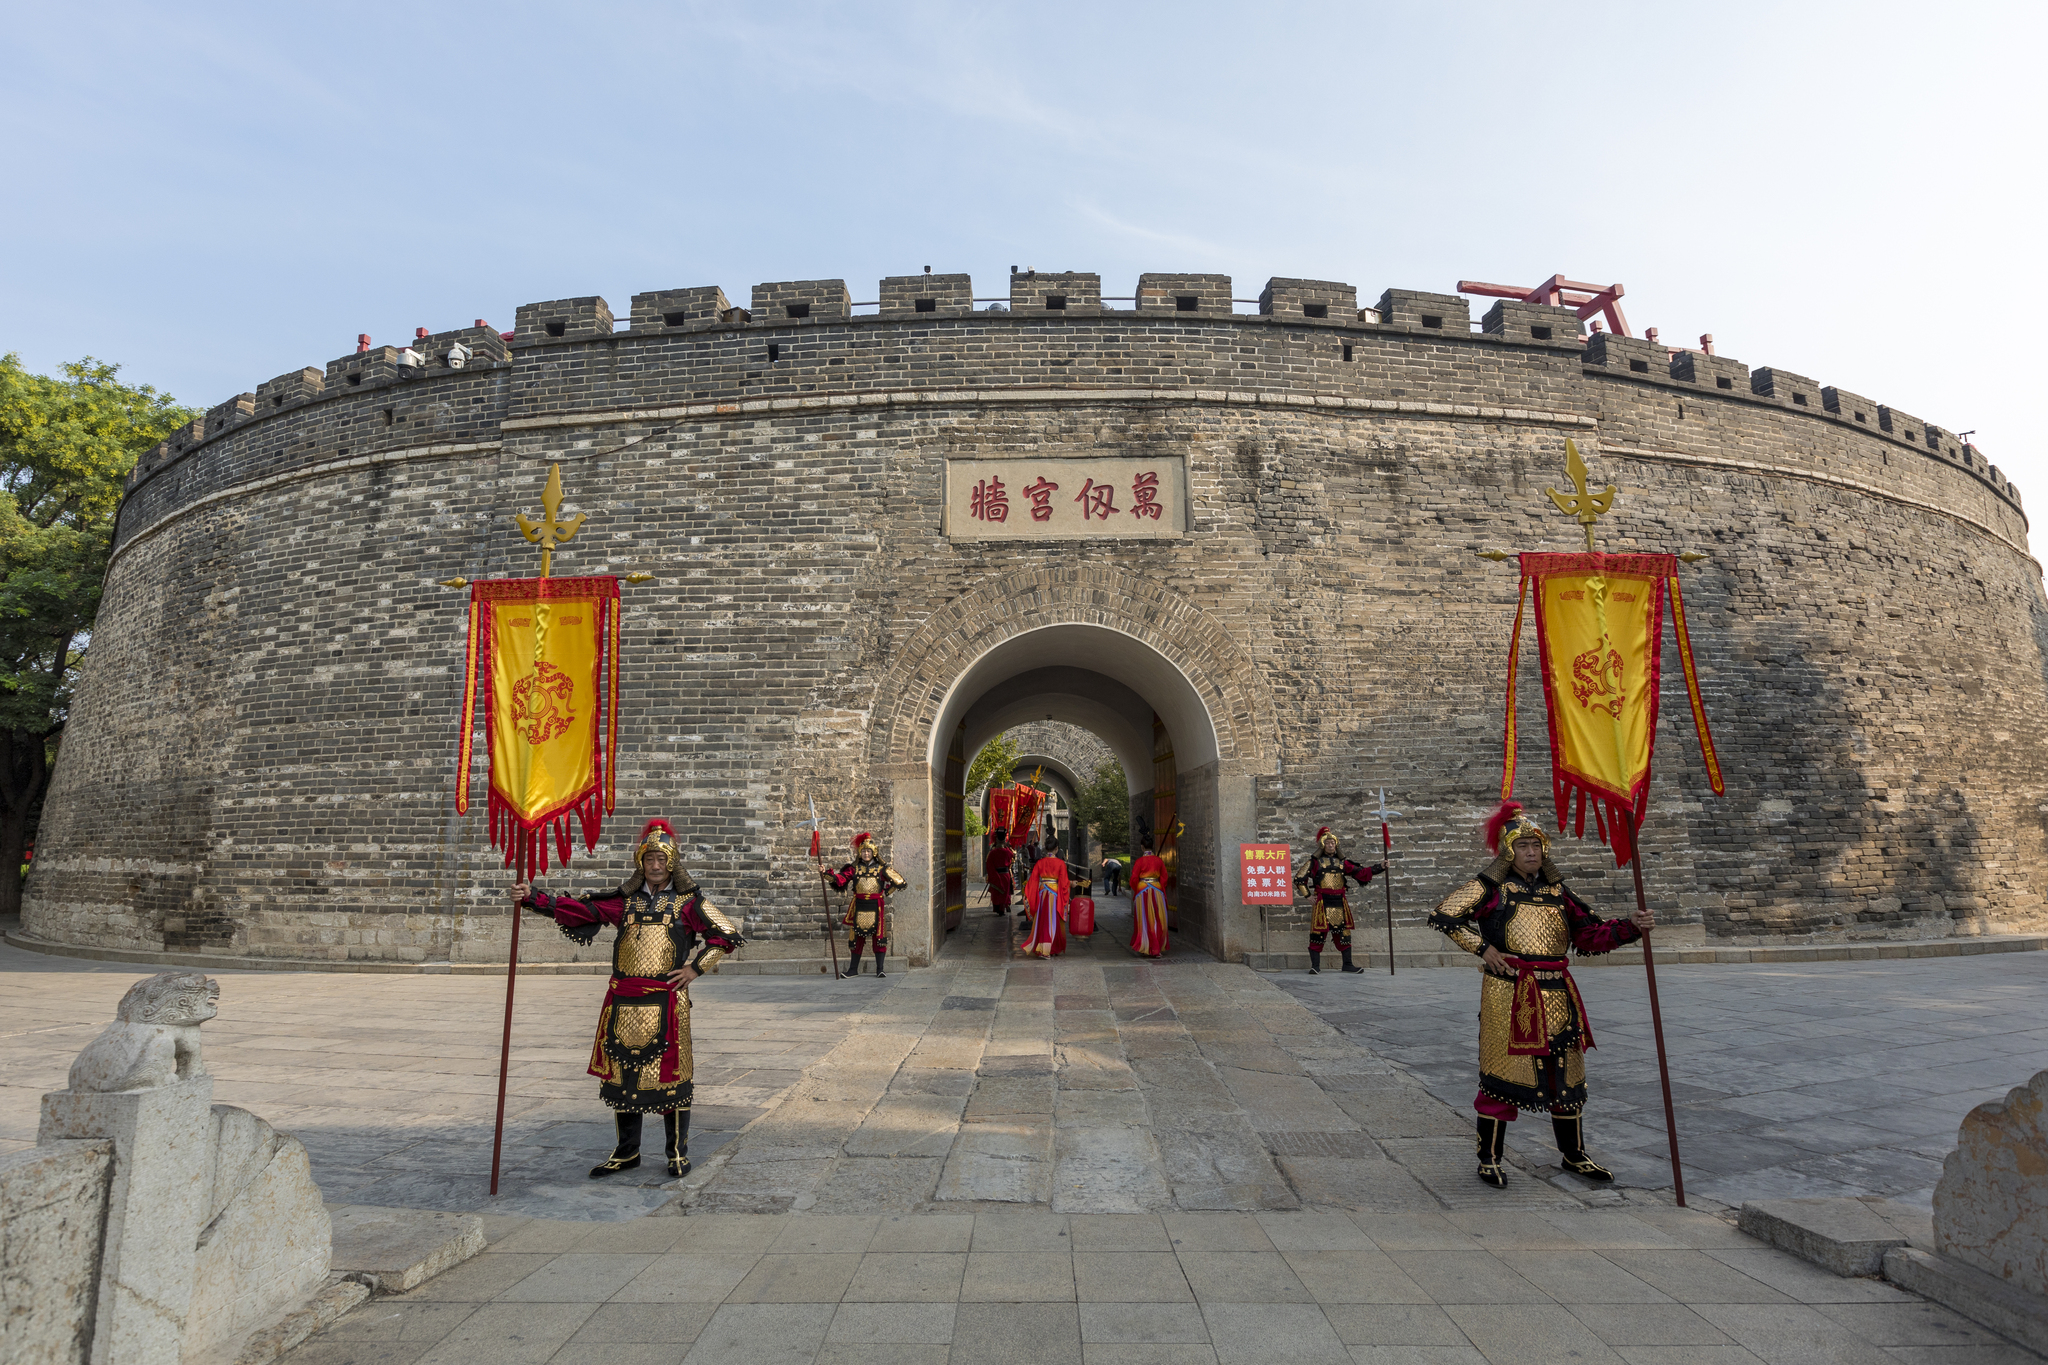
x,y
1588,507
551,530
1635,862
505,1049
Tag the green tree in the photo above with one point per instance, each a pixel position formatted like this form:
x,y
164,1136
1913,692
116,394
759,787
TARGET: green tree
x,y
66,446
993,764
1104,805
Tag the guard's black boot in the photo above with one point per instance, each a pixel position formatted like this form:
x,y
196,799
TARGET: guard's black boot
x,y
626,1155
1571,1145
1348,965
1315,962
880,953
675,1125
1493,1142
853,952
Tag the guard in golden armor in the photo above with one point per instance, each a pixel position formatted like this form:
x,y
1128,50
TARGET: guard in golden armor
x,y
1519,917
867,910
1323,877
668,936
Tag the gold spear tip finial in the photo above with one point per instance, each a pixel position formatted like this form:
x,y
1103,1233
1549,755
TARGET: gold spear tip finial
x,y
550,530
1588,507
639,578
453,582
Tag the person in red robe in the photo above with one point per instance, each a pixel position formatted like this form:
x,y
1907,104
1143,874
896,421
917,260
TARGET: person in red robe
x,y
995,870
1148,901
1046,897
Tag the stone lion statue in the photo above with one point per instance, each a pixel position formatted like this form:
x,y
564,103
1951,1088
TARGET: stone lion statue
x,y
154,1039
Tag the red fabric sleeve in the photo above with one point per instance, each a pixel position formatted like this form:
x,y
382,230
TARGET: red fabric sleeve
x,y
1592,935
842,877
573,914
1361,875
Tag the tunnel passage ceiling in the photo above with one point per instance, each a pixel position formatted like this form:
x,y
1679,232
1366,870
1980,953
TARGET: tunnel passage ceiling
x,y
1099,679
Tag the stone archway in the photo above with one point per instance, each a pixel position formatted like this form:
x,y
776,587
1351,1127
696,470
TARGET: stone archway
x,y
1151,651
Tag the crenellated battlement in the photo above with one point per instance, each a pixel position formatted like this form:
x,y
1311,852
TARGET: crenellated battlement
x,y
808,318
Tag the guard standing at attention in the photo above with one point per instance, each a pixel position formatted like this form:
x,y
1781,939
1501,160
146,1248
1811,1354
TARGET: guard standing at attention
x,y
1521,919
669,934
867,910
1323,877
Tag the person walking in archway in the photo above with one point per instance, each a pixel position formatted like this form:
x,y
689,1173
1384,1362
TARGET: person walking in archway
x,y
1520,919
1323,877
1046,897
1113,874
995,870
1148,901
867,911
669,934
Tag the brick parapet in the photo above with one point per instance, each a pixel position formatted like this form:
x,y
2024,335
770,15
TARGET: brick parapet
x,y
653,366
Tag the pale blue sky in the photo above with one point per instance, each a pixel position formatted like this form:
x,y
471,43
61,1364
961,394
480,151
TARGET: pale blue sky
x,y
213,194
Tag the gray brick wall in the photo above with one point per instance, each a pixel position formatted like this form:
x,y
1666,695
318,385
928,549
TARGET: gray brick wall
x,y
262,746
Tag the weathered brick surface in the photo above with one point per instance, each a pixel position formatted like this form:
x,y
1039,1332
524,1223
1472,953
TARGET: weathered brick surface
x,y
261,751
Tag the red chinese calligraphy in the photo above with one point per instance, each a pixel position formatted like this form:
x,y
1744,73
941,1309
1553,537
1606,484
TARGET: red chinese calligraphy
x,y
990,501
1040,494
1096,499
1145,488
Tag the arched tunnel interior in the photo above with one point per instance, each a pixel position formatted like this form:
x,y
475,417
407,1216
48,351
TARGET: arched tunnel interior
x,y
1140,706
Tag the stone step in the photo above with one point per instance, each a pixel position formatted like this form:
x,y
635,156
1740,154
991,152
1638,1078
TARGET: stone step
x,y
1982,1298
1848,1236
396,1250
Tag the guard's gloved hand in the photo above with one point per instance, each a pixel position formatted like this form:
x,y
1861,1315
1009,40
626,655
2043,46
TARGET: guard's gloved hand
x,y
1377,869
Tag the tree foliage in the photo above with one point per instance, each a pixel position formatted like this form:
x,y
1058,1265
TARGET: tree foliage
x,y
66,446
1104,805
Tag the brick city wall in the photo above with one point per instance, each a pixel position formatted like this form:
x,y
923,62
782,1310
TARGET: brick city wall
x,y
261,752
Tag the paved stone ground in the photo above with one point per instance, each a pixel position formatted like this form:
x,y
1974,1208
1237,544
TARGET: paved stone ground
x,y
1098,1083
1835,1078
1647,1286
1095,1160
391,1080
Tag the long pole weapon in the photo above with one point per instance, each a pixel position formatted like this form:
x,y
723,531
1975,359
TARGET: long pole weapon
x,y
547,533
1387,856
824,897
1588,507
1656,1014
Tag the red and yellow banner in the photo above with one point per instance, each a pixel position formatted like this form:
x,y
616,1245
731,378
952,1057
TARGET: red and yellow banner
x,y
1600,637
546,653
1027,804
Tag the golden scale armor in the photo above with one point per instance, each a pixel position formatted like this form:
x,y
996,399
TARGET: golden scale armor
x,y
642,1055
1533,1029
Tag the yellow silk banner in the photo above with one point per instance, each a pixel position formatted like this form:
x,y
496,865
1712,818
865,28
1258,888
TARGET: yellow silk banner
x,y
1600,638
545,652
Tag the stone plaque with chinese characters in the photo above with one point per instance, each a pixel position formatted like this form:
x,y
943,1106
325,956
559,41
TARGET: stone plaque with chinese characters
x,y
1067,497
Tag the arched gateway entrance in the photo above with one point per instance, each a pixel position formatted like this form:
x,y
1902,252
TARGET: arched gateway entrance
x,y
1128,659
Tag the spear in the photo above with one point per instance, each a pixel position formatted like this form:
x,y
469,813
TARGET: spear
x,y
1387,856
831,938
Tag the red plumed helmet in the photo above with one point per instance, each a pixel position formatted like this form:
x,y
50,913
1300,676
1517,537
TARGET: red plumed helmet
x,y
863,838
1321,835
656,824
1497,823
